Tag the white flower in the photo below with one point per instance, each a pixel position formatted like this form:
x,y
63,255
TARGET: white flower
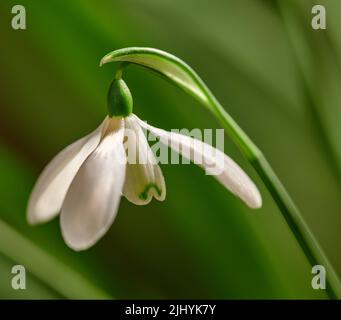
x,y
86,180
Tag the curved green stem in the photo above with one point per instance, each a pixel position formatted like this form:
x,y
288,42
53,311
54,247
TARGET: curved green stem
x,y
178,72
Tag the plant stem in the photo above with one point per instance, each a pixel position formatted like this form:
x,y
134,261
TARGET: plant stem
x,y
290,212
182,75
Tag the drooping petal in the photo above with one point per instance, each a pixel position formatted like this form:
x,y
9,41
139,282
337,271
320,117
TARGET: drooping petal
x,y
92,200
214,161
144,178
50,189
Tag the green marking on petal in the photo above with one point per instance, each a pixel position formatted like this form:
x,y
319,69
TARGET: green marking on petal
x,y
144,194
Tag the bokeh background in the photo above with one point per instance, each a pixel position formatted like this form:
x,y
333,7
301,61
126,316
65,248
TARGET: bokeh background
x,y
279,79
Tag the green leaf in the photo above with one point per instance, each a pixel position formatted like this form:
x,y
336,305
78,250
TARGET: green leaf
x,y
69,283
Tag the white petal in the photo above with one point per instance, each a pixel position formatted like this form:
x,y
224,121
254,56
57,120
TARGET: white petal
x,y
50,189
229,174
93,198
144,178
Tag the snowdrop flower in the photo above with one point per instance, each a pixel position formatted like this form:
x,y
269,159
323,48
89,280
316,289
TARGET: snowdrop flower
x,y
85,181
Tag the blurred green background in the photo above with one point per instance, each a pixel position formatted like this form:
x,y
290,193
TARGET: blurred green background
x,y
279,79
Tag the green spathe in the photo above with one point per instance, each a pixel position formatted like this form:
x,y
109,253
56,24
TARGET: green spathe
x,y
120,100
